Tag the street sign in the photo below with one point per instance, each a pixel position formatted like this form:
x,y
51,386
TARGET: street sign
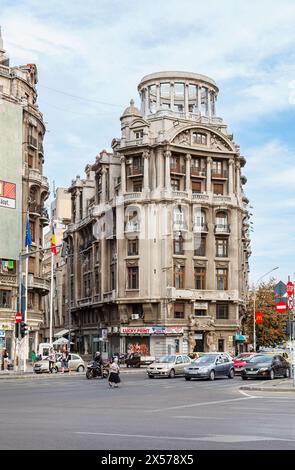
x,y
18,317
290,288
291,304
258,317
280,288
281,307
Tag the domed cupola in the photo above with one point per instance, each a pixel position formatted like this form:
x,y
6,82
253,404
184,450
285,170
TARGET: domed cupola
x,y
131,111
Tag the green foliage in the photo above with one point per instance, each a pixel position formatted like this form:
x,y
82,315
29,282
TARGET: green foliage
x,y
272,330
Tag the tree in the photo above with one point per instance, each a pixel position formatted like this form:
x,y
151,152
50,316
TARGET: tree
x,y
272,330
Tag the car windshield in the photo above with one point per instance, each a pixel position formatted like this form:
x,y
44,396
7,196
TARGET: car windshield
x,y
205,360
166,359
242,357
264,358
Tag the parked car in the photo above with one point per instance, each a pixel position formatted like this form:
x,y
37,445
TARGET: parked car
x,y
168,366
241,360
266,366
209,366
76,363
136,360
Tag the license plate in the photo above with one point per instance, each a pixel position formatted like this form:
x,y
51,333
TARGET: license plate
x,y
251,372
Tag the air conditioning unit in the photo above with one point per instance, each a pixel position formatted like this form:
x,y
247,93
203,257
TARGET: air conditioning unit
x,y
135,316
129,161
109,329
115,329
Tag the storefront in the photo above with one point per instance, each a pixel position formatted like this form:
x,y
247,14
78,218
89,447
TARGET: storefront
x,y
152,340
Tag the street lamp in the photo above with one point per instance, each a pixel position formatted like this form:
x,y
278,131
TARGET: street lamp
x,y
254,305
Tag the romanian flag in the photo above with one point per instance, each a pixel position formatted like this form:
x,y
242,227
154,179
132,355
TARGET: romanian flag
x,y
53,241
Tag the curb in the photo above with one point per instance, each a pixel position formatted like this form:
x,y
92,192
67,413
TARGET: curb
x,y
66,375
269,389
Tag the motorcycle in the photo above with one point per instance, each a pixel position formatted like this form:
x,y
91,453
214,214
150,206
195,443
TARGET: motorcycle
x,y
94,370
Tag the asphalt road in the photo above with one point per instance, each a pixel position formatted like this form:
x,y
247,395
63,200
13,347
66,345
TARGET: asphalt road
x,y
74,413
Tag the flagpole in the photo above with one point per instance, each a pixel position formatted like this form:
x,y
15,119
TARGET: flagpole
x,y
51,302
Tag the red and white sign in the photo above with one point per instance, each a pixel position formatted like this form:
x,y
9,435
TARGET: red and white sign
x,y
290,288
7,194
291,303
18,318
281,307
151,330
258,317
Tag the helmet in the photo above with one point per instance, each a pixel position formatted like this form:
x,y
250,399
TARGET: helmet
x,y
97,353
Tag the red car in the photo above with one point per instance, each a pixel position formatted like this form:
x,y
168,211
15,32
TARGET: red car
x,y
241,360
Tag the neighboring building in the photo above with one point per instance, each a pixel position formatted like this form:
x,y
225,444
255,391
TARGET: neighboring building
x,y
159,242
23,189
61,217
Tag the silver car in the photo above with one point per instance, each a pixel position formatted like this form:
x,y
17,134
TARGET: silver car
x,y
168,366
209,366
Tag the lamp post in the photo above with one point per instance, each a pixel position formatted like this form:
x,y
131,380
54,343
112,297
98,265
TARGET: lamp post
x,y
254,305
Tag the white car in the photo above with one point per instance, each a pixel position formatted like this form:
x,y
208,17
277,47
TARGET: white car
x,y
76,363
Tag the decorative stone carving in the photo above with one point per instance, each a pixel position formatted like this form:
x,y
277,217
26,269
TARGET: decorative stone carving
x,y
211,340
191,342
184,138
217,143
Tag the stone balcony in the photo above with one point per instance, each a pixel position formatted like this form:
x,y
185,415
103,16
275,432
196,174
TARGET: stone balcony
x,y
34,175
35,282
203,295
8,279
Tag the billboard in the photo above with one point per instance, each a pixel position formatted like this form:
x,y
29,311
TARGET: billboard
x,y
11,117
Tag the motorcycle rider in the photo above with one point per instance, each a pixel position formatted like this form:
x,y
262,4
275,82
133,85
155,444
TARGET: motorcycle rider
x,y
98,359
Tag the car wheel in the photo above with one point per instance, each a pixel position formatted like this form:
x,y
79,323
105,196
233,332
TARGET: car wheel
x,y
81,369
212,375
172,374
54,370
151,376
271,375
244,378
287,373
188,378
231,374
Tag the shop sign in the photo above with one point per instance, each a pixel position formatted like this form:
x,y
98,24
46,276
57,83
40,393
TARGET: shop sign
x,y
7,194
104,334
151,330
201,305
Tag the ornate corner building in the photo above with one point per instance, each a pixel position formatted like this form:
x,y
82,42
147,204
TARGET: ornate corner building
x,y
23,189
159,242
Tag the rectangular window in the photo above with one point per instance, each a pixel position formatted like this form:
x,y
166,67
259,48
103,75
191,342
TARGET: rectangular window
x,y
32,230
199,246
222,311
218,188
199,139
221,345
179,311
200,313
221,247
200,278
5,299
137,186
132,247
221,279
133,279
31,265
175,185
178,245
196,187
113,276
179,276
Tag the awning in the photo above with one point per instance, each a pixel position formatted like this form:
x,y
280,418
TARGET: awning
x,y
239,337
61,333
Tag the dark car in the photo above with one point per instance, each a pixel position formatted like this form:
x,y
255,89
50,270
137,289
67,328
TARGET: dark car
x,y
209,366
266,366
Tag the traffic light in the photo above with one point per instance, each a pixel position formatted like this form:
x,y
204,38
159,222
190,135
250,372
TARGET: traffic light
x,y
23,329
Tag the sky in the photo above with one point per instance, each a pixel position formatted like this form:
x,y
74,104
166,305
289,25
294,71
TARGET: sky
x,y
91,56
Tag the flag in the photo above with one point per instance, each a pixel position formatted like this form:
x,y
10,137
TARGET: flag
x,y
53,241
28,239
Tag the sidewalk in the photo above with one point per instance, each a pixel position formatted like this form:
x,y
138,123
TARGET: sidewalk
x,y
283,385
4,375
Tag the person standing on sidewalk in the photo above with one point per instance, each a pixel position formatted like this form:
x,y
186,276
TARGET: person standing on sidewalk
x,y
5,359
65,360
114,377
33,358
52,359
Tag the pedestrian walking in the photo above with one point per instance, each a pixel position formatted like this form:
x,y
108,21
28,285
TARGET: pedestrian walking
x,y
5,359
114,377
65,360
33,358
52,359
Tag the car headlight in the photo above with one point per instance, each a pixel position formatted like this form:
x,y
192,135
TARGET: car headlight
x,y
203,369
263,369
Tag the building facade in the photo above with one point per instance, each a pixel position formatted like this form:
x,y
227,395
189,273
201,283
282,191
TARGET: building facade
x,y
23,190
159,242
60,217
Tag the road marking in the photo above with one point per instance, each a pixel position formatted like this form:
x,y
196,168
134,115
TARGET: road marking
x,y
192,405
214,437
